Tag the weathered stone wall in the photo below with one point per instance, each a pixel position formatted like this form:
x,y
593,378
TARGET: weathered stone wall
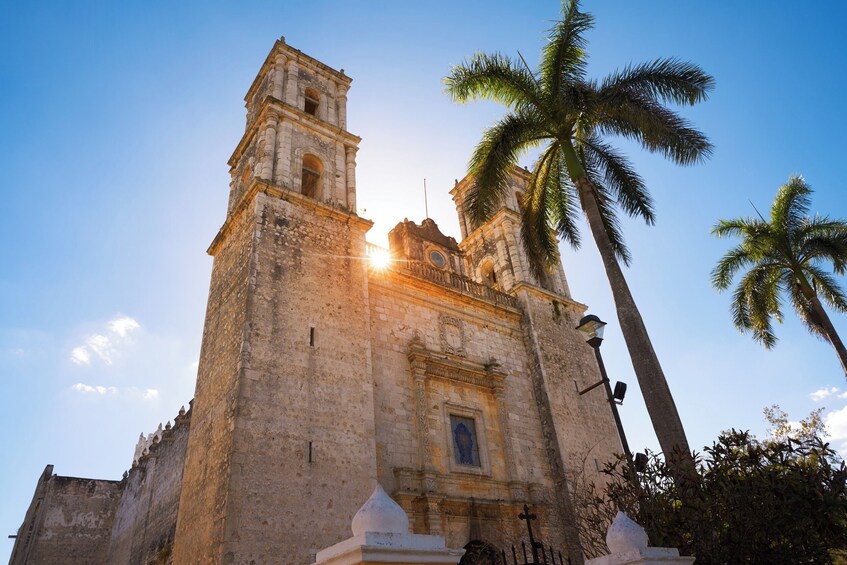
x,y
208,463
460,503
145,520
68,522
303,448
281,447
586,429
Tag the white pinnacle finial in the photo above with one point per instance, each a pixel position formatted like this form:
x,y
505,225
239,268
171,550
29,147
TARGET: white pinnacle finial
x,y
624,535
380,514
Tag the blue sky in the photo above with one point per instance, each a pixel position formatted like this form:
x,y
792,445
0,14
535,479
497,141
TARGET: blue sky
x,y
116,123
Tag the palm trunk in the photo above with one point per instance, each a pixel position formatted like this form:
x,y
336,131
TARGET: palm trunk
x,y
823,320
648,371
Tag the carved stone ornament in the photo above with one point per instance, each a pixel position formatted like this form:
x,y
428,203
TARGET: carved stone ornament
x,y
452,335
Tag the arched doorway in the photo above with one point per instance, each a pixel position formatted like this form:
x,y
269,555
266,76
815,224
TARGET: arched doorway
x,y
479,552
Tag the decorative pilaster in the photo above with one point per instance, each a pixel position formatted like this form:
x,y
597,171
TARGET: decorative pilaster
x,y
291,84
462,220
266,164
282,172
342,106
508,453
279,76
520,270
330,106
424,444
351,177
434,514
339,191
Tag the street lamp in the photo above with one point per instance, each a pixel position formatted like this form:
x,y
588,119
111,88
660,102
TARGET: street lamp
x,y
591,327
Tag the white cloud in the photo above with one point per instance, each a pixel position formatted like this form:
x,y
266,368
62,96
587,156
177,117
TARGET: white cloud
x,y
102,347
122,325
843,395
80,356
822,393
105,347
151,394
836,428
95,389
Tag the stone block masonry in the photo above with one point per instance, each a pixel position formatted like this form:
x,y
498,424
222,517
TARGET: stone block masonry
x,y
448,378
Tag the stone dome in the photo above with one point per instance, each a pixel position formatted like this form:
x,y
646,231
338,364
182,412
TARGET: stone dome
x,y
380,514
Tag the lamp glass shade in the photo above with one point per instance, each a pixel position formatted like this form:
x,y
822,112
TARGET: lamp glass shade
x,y
591,326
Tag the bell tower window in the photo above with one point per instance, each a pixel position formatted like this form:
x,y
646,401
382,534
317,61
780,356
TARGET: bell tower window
x,y
312,100
489,274
311,176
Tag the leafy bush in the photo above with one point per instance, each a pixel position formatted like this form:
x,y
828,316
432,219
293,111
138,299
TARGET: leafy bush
x,y
776,501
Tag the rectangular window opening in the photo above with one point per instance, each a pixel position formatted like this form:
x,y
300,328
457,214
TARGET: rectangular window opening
x,y
311,337
311,107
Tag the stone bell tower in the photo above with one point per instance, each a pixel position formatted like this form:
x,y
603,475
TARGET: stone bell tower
x,y
281,450
493,250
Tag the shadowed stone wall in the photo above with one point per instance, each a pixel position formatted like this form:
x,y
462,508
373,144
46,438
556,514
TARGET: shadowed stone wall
x,y
68,521
145,520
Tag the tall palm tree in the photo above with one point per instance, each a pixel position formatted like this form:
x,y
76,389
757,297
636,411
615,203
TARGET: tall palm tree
x,y
558,108
785,257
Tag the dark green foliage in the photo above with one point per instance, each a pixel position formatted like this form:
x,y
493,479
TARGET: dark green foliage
x,y
774,502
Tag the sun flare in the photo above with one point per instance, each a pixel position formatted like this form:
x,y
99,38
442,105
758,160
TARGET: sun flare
x,y
380,259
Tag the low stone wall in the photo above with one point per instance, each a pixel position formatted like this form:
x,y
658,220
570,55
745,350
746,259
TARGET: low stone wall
x,y
145,520
69,521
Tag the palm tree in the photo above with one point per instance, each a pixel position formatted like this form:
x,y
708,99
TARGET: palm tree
x,y
785,257
557,108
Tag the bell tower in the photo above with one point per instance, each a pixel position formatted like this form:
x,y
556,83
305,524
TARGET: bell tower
x,y
281,450
494,251
296,135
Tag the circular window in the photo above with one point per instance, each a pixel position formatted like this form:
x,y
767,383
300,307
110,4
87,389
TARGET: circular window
x,y
437,259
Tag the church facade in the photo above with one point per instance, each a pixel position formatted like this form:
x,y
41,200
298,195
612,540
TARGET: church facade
x,y
450,376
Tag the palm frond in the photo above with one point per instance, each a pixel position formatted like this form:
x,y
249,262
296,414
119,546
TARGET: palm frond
x,y
493,159
670,80
563,59
656,128
626,184
803,308
791,204
565,206
756,302
827,288
734,228
822,239
493,77
735,259
538,239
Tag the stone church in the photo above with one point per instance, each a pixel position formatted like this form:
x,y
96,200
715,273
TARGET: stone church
x,y
449,377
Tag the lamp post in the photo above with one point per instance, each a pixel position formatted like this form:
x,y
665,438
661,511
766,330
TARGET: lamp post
x,y
591,327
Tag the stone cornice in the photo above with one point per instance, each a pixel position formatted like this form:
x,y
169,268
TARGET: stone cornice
x,y
546,294
282,48
416,288
275,191
271,105
436,365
